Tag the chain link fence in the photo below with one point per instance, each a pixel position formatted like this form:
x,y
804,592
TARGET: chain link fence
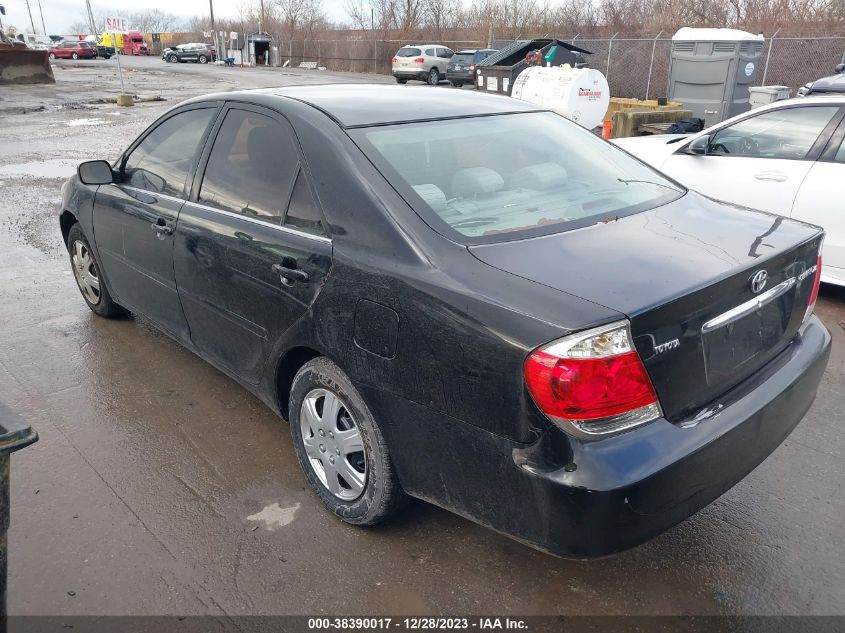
x,y
634,67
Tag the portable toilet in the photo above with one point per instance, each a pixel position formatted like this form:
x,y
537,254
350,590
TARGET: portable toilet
x,y
711,70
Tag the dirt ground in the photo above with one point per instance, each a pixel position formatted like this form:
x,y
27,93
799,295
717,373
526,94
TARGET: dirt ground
x,y
159,486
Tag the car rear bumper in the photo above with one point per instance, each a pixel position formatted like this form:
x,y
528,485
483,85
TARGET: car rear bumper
x,y
411,73
466,77
589,499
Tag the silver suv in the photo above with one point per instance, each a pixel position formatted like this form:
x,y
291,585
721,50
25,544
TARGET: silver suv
x,y
426,62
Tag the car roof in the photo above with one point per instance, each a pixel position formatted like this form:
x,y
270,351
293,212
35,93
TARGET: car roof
x,y
423,45
360,105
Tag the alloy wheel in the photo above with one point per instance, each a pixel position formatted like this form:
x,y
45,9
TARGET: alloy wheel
x,y
433,76
333,444
85,271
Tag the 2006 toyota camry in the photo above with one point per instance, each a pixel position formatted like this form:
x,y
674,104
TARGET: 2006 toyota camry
x,y
461,298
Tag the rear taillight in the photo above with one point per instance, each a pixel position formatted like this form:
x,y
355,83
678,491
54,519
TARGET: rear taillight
x,y
592,383
472,66
814,292
419,60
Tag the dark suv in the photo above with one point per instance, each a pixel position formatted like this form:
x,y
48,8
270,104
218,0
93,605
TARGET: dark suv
x,y
834,84
461,68
200,53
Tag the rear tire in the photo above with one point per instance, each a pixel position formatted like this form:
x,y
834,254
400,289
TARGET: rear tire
x,y
433,76
320,434
401,81
202,59
89,279
52,56
457,84
74,56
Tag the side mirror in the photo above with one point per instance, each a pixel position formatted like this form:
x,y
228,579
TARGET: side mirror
x,y
95,172
699,146
840,68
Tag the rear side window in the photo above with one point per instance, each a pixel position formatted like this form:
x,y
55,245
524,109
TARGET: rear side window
x,y
786,133
251,167
408,52
163,159
482,55
840,155
429,52
303,212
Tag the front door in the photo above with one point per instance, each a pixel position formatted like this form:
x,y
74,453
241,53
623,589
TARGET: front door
x,y
251,252
760,161
134,219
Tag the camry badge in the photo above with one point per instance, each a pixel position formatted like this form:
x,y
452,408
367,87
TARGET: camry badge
x,y
758,281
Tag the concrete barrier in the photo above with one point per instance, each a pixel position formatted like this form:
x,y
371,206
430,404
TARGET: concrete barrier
x,y
25,67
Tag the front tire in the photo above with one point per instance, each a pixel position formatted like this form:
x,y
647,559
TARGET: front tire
x,y
171,59
74,56
340,446
433,76
86,270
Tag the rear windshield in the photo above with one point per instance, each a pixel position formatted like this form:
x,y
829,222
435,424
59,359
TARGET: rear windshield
x,y
487,179
462,58
408,52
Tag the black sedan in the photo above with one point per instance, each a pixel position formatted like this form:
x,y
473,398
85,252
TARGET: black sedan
x,y
464,299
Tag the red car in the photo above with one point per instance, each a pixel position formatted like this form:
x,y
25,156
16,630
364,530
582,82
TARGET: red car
x,y
73,50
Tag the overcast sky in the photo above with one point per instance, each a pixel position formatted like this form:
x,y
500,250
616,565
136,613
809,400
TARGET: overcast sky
x,y
59,15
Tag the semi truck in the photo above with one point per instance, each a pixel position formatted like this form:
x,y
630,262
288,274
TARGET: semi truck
x,y
129,43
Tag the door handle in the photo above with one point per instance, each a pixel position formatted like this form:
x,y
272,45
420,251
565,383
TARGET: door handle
x,y
772,176
289,275
162,228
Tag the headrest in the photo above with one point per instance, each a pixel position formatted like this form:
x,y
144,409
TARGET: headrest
x,y
474,181
540,176
432,195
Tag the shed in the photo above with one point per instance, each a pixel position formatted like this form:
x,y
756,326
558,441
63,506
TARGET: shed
x,y
498,72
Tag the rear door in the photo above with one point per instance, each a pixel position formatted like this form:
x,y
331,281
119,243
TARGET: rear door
x,y
134,219
251,251
761,160
821,201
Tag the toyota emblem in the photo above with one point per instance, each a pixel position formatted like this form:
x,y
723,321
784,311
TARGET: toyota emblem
x,y
758,281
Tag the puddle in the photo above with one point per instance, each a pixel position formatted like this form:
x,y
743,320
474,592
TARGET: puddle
x,y
87,121
52,168
274,516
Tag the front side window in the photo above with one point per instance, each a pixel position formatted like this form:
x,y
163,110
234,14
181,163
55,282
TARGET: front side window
x,y
529,173
785,133
162,161
251,167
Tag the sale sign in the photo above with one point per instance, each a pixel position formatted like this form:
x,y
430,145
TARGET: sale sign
x,y
116,24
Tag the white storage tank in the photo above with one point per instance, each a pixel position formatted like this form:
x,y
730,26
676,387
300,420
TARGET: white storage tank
x,y
580,94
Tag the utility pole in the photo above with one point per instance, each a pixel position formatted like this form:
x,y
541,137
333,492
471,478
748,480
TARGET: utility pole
x,y
31,21
41,11
94,24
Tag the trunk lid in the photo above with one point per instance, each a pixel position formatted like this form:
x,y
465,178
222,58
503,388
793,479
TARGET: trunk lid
x,y
677,272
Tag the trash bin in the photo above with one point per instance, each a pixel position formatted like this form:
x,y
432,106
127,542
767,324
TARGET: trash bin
x,y
15,434
761,95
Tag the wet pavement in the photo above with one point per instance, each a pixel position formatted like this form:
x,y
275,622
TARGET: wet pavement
x,y
159,486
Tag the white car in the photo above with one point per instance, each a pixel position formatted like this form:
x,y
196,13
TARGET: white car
x,y
787,158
